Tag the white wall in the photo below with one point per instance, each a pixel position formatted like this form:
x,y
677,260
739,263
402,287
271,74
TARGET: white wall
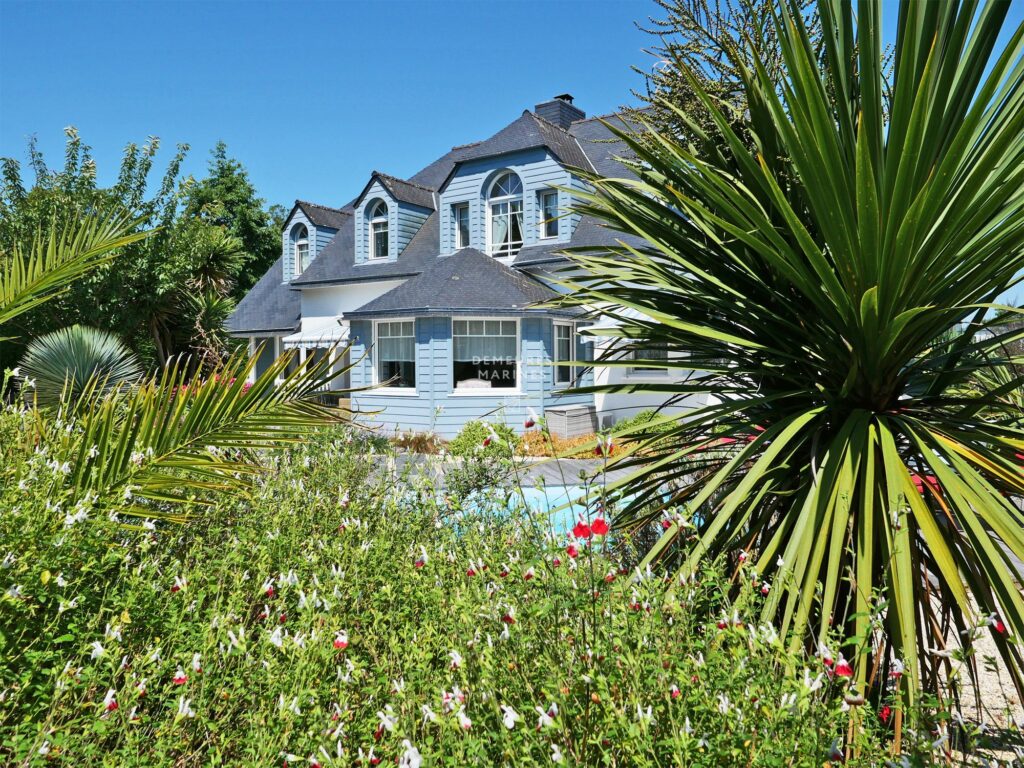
x,y
322,305
614,407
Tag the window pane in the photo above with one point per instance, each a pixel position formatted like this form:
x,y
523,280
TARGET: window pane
x,y
461,226
549,212
484,354
396,354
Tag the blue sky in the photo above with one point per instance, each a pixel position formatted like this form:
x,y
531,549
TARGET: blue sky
x,y
309,96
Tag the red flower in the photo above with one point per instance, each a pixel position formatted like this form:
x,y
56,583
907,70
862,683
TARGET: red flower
x,y
572,551
557,561
599,527
341,640
283,618
609,577
581,530
508,618
529,574
487,442
885,713
843,668
179,677
529,423
666,524
675,692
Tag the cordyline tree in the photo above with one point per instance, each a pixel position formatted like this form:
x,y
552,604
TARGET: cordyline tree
x,y
831,283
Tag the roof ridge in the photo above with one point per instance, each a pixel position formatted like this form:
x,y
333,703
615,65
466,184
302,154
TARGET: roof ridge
x,y
324,207
403,181
467,145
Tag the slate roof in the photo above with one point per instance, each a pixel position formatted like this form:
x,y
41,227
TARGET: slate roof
x,y
269,306
402,190
530,132
319,215
274,306
466,281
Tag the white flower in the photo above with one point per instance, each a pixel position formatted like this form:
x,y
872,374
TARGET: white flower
x,y
556,754
544,719
97,650
277,638
411,758
644,716
429,716
197,665
387,718
15,591
464,722
724,704
185,708
456,659
509,716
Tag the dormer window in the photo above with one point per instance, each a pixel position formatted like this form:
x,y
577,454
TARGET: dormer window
x,y
548,205
300,237
378,223
505,222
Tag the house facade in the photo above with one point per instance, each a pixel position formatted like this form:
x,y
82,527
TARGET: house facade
x,y
431,284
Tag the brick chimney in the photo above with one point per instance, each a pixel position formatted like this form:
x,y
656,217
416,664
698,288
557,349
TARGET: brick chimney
x,y
560,111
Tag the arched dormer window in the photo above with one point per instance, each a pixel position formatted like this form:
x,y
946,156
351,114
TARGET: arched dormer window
x,y
505,215
300,239
377,216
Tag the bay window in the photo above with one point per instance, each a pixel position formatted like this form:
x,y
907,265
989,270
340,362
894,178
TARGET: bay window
x,y
396,354
485,354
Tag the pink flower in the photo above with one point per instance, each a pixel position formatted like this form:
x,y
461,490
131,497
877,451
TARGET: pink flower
x,y
674,692
180,678
897,669
556,561
743,556
599,527
766,588
341,640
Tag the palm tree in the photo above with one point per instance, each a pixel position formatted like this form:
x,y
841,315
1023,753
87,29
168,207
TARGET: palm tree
x,y
809,275
173,437
61,364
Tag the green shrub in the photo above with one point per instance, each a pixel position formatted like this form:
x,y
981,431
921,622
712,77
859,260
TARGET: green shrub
x,y
471,438
329,552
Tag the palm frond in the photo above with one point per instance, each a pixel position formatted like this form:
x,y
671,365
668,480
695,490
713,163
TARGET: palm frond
x,y
29,277
813,284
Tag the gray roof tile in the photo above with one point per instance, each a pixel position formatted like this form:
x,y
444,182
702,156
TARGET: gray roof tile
x,y
319,215
530,132
466,281
270,305
402,190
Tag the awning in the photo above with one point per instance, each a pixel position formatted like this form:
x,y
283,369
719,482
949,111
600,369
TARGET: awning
x,y
318,336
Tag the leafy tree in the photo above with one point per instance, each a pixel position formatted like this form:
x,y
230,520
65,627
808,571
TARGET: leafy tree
x,y
199,247
228,199
812,275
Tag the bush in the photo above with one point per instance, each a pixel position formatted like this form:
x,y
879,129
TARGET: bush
x,y
306,626
635,423
538,442
471,438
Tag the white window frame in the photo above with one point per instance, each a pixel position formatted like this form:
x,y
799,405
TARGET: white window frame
x,y
457,239
379,388
372,223
645,372
556,359
296,242
542,221
494,391
491,201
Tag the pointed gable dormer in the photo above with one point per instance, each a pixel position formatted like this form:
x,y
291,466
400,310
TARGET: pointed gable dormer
x,y
307,229
389,212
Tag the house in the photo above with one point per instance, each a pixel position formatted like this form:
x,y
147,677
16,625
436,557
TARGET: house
x,y
431,284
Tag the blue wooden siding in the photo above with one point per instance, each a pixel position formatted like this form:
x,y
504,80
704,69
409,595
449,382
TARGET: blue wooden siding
x,y
536,168
404,221
318,238
575,182
436,406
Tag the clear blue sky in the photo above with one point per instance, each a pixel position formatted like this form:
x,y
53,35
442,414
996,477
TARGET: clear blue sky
x,y
309,96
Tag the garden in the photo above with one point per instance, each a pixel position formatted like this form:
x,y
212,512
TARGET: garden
x,y
819,564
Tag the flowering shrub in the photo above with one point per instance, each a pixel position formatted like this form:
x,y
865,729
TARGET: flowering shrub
x,y
347,616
